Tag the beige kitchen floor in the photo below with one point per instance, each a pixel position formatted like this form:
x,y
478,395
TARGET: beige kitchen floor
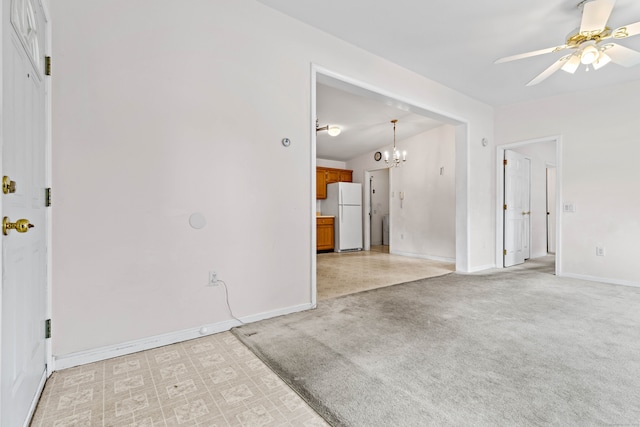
x,y
213,380
343,273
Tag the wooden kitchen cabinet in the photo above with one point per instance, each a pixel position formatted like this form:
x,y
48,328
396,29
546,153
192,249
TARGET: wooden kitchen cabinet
x,y
333,175
324,234
321,184
326,176
346,175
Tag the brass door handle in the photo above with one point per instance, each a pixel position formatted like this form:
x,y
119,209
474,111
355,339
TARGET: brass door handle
x,y
21,225
8,186
526,213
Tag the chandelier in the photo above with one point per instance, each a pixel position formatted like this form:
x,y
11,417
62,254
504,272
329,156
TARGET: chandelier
x,y
396,159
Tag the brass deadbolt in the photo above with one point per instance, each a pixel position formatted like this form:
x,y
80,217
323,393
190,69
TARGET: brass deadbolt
x,y
21,225
8,186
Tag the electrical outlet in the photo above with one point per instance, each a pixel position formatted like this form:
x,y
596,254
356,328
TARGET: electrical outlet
x,y
213,278
599,251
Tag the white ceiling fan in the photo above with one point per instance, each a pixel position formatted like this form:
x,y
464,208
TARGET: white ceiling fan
x,y
590,44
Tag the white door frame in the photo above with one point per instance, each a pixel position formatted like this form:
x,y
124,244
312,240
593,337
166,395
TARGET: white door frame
x,y
463,223
500,196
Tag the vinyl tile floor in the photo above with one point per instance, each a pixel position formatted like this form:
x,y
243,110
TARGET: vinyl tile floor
x,y
213,380
209,381
343,273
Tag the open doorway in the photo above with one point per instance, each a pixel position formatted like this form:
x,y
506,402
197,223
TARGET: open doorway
x,y
376,192
365,166
527,222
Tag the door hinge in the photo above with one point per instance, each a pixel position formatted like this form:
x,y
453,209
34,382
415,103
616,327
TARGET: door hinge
x,y
47,196
47,328
504,252
505,162
47,65
505,207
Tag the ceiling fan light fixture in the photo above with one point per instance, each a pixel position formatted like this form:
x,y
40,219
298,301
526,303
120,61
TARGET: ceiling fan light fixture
x,y
602,60
589,55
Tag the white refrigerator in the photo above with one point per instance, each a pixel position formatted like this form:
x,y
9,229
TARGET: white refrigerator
x,y
344,202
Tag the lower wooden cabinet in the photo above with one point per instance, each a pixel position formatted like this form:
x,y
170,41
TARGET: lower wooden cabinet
x,y
324,234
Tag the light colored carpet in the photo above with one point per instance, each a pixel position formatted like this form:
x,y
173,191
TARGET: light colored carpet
x,y
508,347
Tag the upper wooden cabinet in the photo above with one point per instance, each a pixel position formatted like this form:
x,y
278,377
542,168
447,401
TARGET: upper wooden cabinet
x,y
346,175
321,184
333,175
326,176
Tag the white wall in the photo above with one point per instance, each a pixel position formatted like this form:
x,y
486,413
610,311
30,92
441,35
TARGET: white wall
x,y
541,154
162,109
331,163
424,225
598,174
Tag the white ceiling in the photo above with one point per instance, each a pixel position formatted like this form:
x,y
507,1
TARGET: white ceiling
x,y
453,42
365,123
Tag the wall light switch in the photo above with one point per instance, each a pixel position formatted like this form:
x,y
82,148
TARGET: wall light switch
x,y
569,207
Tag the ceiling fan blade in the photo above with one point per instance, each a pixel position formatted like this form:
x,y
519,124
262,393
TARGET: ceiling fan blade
x,y
571,64
552,69
595,15
622,55
626,31
530,54
603,60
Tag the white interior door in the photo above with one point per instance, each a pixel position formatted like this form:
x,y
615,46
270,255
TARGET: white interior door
x,y
517,212
551,210
526,209
24,257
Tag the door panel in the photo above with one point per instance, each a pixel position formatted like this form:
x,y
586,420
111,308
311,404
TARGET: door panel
x,y
24,286
517,211
551,210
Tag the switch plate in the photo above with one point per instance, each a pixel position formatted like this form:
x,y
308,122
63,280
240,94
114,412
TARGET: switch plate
x,y
569,207
599,251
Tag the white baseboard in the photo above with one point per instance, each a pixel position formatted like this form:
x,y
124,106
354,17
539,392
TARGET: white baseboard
x,y
601,280
423,256
481,268
108,352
